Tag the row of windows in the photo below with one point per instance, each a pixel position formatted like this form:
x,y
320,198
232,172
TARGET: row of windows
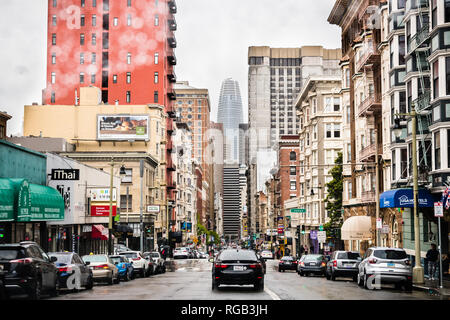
x,y
127,96
105,58
105,3
106,23
82,78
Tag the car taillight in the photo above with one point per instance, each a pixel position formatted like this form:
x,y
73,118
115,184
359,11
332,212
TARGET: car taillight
x,y
22,261
408,263
136,259
372,261
323,264
302,264
294,262
102,266
255,266
334,263
221,266
65,269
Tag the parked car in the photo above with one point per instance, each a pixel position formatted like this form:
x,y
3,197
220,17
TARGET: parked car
x,y
158,260
151,264
103,268
28,270
203,255
238,267
287,263
385,265
312,264
267,254
180,253
140,264
74,273
125,266
343,264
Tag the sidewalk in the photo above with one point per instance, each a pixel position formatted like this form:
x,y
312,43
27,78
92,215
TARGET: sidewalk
x,y
432,286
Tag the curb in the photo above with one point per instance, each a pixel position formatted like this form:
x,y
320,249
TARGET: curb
x,y
434,291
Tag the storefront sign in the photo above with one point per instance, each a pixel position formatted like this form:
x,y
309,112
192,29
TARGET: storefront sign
x,y
100,202
102,211
127,127
313,235
65,174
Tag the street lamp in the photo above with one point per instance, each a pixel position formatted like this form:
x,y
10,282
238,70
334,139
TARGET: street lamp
x,y
111,186
418,273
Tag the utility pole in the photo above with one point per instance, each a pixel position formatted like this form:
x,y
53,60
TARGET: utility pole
x,y
110,225
377,188
141,207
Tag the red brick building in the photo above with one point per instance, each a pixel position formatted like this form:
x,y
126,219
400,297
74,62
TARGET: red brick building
x,y
288,159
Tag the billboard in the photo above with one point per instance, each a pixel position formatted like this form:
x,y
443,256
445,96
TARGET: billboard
x,y
122,127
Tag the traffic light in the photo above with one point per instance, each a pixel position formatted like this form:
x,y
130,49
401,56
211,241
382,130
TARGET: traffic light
x,y
303,229
2,232
298,229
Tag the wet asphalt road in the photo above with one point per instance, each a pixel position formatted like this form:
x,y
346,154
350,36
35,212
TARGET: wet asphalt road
x,y
191,280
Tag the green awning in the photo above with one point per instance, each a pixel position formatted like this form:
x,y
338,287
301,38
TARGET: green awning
x,y
32,202
7,197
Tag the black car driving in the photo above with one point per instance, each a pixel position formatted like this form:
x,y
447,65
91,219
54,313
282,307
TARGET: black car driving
x,y
28,270
312,264
237,267
287,263
74,273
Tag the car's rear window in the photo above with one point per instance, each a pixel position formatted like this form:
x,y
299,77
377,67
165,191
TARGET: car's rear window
x,y
287,259
8,253
390,254
313,258
62,258
155,255
94,258
115,259
240,255
129,254
348,255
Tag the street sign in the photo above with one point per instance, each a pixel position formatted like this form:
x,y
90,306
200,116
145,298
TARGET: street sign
x,y
153,209
385,229
438,210
298,210
379,223
65,174
322,236
321,227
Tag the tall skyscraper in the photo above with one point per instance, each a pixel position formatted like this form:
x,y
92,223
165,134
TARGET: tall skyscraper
x,y
126,48
276,76
230,114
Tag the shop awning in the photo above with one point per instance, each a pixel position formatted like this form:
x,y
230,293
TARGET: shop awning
x,y
404,198
357,228
7,196
100,232
30,202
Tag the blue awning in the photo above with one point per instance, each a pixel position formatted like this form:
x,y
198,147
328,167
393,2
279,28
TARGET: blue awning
x,y
404,198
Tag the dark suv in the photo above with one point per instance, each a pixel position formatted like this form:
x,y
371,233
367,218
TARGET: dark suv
x,y
28,269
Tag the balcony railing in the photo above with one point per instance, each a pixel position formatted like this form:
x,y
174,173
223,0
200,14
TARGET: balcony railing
x,y
366,5
172,6
172,76
423,101
172,24
369,152
172,42
172,59
368,196
420,37
369,56
370,104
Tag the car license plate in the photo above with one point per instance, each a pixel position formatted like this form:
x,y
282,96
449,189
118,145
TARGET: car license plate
x,y
312,264
390,264
349,265
239,268
288,263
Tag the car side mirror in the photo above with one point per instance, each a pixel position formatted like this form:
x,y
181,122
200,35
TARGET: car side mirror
x,y
87,263
116,263
53,259
211,260
359,259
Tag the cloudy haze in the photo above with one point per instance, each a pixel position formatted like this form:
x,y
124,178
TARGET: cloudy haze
x,y
213,37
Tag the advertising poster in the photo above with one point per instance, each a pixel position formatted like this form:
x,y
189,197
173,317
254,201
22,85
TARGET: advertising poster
x,y
115,127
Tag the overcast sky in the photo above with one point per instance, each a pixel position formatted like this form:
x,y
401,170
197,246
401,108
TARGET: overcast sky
x,y
213,37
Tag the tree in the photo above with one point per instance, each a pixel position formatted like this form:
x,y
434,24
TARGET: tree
x,y
334,198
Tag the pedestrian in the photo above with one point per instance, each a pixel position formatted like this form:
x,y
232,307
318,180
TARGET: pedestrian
x,y
445,264
432,258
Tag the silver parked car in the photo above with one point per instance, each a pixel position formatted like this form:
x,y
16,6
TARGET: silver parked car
x,y
343,264
385,265
103,268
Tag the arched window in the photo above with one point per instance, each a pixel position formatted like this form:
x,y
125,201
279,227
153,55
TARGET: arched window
x,y
293,156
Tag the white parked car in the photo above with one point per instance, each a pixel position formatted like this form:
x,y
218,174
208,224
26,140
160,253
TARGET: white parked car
x,y
181,253
140,264
266,254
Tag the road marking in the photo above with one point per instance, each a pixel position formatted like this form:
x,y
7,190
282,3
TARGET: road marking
x,y
272,294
